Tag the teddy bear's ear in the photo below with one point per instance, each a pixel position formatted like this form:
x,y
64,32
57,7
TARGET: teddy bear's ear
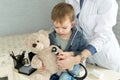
x,y
29,38
43,32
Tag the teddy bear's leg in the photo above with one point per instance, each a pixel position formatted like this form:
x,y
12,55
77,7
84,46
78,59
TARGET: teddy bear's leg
x,y
36,62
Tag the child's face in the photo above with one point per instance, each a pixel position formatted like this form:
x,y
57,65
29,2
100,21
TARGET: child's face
x,y
63,28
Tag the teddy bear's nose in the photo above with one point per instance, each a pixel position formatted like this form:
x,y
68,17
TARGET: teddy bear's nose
x,y
34,45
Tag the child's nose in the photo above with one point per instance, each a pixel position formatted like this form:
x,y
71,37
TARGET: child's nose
x,y
60,31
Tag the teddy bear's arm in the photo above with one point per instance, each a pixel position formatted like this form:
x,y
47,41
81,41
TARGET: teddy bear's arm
x,y
36,62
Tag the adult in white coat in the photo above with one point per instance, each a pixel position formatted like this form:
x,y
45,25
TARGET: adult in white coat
x,y
96,18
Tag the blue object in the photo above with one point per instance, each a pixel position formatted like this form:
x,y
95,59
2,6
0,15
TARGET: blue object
x,y
54,77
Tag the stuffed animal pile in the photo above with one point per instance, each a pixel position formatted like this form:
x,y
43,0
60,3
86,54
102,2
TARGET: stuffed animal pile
x,y
39,43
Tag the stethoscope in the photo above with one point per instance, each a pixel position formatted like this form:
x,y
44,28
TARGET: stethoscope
x,y
54,50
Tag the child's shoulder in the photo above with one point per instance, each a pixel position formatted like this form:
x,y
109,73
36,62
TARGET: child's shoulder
x,y
52,34
75,30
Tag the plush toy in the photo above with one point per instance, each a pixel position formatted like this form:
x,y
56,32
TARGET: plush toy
x,y
45,54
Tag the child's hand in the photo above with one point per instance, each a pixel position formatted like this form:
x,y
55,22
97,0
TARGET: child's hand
x,y
66,60
63,55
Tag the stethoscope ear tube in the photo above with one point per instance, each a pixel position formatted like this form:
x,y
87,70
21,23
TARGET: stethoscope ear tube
x,y
78,78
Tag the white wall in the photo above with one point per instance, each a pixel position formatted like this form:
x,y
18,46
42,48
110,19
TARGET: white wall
x,y
24,16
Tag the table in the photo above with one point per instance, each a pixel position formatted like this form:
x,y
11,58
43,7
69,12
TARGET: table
x,y
108,74
6,71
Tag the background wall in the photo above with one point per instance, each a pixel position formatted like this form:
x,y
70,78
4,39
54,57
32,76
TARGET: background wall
x,y
24,16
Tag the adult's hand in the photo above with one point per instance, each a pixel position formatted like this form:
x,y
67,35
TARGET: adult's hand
x,y
66,60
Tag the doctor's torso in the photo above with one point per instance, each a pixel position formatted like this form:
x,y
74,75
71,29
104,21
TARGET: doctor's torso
x,y
90,12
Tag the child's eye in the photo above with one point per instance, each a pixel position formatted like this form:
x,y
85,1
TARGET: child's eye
x,y
56,27
64,28
38,41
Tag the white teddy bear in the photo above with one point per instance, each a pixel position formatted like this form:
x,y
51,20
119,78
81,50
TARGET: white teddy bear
x,y
40,44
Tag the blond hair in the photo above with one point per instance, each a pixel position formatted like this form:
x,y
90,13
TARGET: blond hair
x,y
61,10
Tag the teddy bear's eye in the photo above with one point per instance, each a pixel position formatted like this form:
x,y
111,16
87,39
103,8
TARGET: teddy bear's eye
x,y
38,41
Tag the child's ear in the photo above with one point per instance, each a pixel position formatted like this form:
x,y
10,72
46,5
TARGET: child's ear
x,y
73,23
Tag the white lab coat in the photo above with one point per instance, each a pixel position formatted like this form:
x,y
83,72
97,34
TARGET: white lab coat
x,y
97,18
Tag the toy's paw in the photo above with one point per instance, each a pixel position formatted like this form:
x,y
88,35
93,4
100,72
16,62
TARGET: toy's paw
x,y
36,62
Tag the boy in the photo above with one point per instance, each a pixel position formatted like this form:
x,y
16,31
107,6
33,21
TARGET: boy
x,y
66,36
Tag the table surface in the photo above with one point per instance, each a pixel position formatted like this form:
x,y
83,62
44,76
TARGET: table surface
x,y
107,74
6,71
